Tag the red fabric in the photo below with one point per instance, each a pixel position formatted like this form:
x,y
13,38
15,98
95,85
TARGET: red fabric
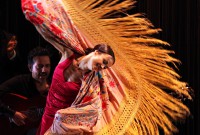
x,y
60,96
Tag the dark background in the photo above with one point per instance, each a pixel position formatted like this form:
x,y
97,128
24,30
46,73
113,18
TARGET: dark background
x,y
179,20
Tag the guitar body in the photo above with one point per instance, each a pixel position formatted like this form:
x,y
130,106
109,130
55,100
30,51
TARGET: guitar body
x,y
21,104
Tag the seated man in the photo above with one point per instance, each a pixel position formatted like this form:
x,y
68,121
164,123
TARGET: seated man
x,y
31,88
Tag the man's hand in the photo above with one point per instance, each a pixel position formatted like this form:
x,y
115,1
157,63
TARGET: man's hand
x,y
19,118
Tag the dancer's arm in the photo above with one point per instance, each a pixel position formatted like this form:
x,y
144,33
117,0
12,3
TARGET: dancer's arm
x,y
65,52
54,25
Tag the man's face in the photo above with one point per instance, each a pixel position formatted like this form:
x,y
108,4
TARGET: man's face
x,y
40,68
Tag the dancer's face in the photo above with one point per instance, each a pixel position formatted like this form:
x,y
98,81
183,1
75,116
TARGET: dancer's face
x,y
40,68
97,61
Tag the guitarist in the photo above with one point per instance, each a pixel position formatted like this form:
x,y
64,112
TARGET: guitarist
x,y
32,88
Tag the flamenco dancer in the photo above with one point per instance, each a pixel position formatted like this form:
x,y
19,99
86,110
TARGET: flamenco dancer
x,y
113,77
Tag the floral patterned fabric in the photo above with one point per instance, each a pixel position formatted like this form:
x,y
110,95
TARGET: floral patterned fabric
x,y
92,108
136,84
55,27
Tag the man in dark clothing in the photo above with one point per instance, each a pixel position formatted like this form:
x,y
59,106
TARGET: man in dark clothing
x,y
30,87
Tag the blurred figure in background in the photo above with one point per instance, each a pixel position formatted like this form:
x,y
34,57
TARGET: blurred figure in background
x,y
10,60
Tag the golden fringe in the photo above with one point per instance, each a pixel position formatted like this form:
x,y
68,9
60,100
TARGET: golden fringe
x,y
142,64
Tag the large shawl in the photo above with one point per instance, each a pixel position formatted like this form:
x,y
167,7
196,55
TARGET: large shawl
x,y
135,100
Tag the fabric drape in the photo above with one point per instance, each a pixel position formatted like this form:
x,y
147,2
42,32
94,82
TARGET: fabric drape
x,y
136,84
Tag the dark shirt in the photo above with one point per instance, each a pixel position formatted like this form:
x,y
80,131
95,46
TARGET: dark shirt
x,y
9,68
23,85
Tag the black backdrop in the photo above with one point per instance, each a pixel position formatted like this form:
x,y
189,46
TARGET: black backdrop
x,y
179,20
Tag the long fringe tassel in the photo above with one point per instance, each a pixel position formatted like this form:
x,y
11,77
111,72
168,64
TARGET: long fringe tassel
x,y
142,63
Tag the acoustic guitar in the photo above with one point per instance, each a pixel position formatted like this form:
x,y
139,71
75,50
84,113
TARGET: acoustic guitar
x,y
26,106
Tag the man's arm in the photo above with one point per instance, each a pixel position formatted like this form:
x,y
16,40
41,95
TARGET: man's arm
x,y
10,86
5,88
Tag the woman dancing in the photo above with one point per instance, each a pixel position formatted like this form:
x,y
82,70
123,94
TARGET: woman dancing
x,y
127,98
